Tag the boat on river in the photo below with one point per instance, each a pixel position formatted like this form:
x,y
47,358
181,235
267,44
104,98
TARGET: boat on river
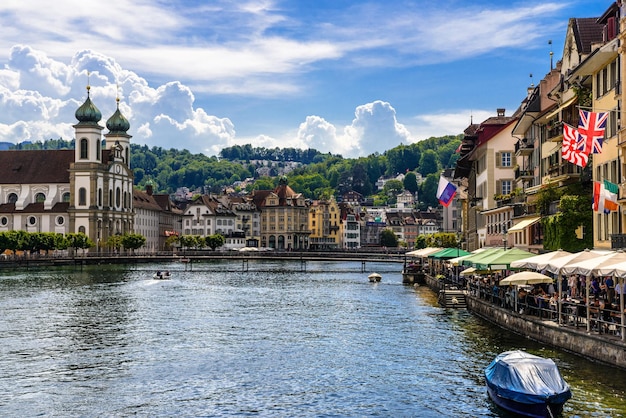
x,y
375,277
162,275
526,384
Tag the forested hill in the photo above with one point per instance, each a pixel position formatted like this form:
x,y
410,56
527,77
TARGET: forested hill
x,y
309,171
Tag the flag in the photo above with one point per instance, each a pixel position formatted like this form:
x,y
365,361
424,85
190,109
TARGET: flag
x,y
610,196
445,192
604,196
570,150
591,127
598,197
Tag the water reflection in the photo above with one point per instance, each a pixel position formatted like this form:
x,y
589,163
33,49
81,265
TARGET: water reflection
x,y
271,341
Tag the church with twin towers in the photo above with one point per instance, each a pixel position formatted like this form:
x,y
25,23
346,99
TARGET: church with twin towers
x,y
88,189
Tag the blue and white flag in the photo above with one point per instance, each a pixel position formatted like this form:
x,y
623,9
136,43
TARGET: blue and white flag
x,y
445,192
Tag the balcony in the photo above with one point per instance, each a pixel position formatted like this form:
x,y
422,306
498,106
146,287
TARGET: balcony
x,y
556,171
555,133
524,147
524,174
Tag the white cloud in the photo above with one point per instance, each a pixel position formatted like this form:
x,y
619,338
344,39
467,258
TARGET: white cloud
x,y
375,129
236,47
39,95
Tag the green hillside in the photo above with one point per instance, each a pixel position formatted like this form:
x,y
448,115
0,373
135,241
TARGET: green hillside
x,y
315,174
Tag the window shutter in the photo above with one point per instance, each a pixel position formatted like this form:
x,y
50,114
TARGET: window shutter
x,y
498,159
499,187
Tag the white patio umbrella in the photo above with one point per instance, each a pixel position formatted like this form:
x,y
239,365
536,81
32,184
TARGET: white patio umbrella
x,y
556,264
526,277
591,266
532,262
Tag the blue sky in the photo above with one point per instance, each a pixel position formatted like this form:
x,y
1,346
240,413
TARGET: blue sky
x,y
341,76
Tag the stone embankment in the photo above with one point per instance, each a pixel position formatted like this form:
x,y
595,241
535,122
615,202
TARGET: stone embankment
x,y
604,348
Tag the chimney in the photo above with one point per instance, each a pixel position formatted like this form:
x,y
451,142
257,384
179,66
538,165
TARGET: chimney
x,y
149,189
500,112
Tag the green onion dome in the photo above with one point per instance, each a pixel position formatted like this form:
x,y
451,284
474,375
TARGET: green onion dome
x,y
88,112
117,123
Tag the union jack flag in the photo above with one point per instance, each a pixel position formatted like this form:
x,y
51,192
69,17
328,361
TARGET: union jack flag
x,y
570,150
591,129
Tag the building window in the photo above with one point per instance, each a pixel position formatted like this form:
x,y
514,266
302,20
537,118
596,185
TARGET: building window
x,y
12,198
118,197
66,197
32,220
82,196
60,220
82,230
4,221
100,197
505,159
84,149
40,198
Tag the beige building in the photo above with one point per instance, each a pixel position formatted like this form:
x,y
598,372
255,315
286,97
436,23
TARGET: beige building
x,y
284,217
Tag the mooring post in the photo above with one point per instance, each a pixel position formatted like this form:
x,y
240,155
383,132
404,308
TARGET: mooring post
x,y
362,266
302,265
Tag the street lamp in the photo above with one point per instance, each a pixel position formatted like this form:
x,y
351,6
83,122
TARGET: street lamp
x,y
504,232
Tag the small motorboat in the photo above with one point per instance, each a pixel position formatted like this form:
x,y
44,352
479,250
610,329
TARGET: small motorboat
x,y
526,384
162,275
375,277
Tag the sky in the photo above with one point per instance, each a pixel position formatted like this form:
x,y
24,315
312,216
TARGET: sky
x,y
349,77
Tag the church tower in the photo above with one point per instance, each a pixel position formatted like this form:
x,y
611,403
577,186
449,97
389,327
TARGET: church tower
x,y
101,181
117,140
88,132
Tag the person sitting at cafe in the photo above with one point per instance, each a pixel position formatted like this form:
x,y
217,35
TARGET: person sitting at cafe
x,y
609,288
594,288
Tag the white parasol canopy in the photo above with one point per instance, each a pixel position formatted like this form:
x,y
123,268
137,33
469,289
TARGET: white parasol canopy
x,y
532,262
591,266
526,277
556,264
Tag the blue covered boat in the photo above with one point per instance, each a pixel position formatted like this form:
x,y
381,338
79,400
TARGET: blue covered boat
x,y
526,384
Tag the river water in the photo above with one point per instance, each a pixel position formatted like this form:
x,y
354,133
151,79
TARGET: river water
x,y
264,338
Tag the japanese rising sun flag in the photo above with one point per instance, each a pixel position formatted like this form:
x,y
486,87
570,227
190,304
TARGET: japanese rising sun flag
x,y
591,129
570,150
445,192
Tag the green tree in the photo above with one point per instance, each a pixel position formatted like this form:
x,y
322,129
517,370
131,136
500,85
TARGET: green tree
x,y
214,241
132,241
410,182
79,240
388,238
429,163
393,188
428,192
114,242
421,242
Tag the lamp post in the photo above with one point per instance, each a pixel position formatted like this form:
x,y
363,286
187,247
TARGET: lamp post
x,y
504,235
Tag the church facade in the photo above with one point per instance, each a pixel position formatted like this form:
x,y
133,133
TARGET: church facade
x,y
88,189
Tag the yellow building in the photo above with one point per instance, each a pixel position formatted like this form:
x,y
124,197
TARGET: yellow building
x,y
324,223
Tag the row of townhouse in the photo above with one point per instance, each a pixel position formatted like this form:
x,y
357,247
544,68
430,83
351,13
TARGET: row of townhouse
x,y
280,219
507,161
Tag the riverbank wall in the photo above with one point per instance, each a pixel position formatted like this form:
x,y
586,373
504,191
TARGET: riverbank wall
x,y
592,346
